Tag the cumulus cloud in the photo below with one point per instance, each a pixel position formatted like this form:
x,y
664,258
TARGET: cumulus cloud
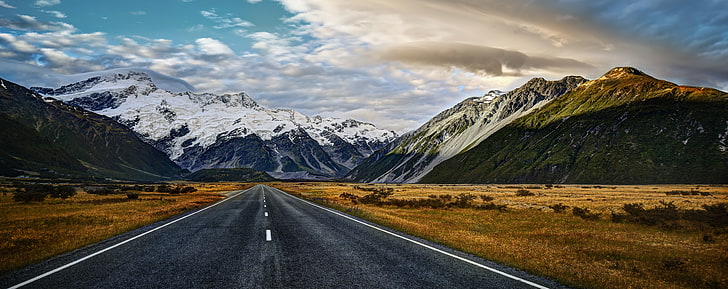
x,y
398,63
44,3
30,23
213,47
227,21
57,14
6,5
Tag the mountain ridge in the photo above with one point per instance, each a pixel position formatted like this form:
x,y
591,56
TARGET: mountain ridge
x,y
42,136
625,127
192,128
457,129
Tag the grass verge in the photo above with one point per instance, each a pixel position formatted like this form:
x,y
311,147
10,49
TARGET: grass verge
x,y
541,233
33,231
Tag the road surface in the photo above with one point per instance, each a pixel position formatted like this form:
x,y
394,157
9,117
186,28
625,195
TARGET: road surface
x,y
265,238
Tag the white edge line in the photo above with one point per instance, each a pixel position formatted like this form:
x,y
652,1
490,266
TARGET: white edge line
x,y
46,274
422,244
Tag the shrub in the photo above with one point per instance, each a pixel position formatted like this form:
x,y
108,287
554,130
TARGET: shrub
x,y
104,191
132,196
62,192
464,200
558,208
32,193
486,198
585,214
524,193
493,206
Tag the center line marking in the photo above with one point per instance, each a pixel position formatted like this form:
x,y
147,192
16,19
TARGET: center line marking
x,y
266,214
268,237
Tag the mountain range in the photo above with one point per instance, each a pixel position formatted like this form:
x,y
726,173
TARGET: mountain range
x,y
45,137
625,127
204,131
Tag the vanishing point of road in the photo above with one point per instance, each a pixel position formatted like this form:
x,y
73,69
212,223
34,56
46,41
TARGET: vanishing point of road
x,y
265,238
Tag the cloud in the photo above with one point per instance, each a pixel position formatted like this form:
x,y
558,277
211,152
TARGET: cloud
x,y
254,1
57,14
6,5
45,3
213,47
30,23
475,58
398,63
227,21
138,13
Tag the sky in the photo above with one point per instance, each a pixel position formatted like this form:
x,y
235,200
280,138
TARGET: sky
x,y
394,63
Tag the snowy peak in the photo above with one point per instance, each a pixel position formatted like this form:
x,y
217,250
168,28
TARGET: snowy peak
x,y
103,82
198,130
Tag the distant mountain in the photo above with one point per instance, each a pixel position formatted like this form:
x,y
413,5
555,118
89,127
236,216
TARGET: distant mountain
x,y
45,137
230,175
203,130
623,128
457,130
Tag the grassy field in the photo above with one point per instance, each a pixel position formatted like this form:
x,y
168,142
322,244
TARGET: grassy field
x,y
672,242
31,232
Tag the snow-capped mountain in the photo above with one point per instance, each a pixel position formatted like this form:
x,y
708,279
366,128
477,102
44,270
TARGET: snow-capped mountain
x,y
456,130
204,130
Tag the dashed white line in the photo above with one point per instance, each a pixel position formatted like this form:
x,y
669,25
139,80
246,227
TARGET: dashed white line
x,y
266,214
419,243
268,236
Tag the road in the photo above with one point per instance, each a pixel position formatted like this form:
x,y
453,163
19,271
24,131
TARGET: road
x,y
265,238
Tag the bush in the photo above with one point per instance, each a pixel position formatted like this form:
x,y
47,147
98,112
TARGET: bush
x,y
132,196
32,193
524,193
464,200
666,214
37,193
62,192
585,214
493,206
104,191
558,208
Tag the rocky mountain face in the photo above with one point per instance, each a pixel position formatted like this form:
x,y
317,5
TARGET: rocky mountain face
x,y
623,128
45,137
203,130
457,130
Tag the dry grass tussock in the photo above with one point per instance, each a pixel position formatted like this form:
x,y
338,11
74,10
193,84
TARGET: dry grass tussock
x,y
669,236
33,231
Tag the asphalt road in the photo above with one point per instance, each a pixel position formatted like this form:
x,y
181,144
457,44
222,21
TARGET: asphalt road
x,y
265,238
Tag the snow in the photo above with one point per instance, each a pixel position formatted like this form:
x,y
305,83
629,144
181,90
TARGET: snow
x,y
3,84
209,116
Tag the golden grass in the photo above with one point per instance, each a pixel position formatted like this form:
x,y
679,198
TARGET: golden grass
x,y
561,246
35,231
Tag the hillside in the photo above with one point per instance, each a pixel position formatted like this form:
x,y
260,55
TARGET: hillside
x,y
623,128
456,130
44,137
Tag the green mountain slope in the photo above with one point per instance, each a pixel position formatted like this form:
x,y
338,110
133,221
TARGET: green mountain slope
x,y
623,128
47,137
